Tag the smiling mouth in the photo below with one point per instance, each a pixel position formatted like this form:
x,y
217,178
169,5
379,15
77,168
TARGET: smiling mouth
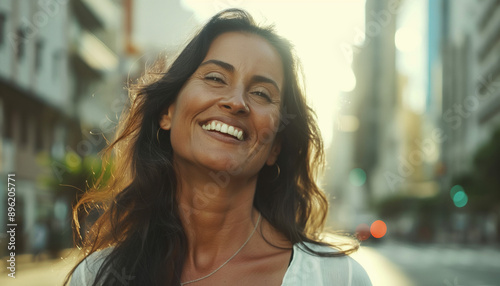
x,y
223,128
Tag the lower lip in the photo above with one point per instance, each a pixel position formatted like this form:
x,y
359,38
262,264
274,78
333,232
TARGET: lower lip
x,y
222,137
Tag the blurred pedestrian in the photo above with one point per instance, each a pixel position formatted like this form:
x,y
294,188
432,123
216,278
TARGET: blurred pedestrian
x,y
39,239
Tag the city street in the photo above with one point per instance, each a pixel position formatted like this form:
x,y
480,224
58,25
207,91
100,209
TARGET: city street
x,y
429,265
388,264
45,273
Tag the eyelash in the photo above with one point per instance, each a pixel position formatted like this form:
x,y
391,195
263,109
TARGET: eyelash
x,y
262,94
214,78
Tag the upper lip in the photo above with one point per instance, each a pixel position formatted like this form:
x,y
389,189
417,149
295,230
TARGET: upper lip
x,y
228,121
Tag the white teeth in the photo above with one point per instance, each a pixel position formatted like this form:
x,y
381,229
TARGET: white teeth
x,y
224,128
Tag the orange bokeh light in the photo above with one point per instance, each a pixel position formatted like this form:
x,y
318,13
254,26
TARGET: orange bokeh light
x,y
363,231
378,229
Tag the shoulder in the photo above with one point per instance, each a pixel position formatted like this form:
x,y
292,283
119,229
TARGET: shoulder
x,y
309,269
87,270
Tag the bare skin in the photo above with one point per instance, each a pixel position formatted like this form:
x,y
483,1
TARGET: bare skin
x,y
238,83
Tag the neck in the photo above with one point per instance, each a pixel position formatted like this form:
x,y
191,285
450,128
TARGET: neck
x,y
217,213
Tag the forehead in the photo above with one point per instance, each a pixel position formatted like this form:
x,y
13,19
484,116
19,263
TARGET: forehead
x,y
247,52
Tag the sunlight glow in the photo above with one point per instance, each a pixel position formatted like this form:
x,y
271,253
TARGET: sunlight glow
x,y
407,39
348,123
411,54
318,30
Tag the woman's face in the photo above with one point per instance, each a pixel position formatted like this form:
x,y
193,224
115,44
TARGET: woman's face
x,y
226,115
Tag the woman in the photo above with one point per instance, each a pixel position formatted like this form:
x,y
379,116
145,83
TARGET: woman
x,y
214,185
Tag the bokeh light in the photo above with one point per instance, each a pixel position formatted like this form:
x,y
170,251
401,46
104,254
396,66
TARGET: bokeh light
x,y
378,229
357,177
455,189
460,199
362,231
408,39
458,195
73,160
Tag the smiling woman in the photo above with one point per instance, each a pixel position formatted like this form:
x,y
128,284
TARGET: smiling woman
x,y
215,174
236,87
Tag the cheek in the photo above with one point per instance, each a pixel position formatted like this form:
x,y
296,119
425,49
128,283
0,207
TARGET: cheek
x,y
188,102
179,130
268,126
177,138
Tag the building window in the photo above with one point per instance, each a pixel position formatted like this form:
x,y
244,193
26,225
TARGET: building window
x,y
58,150
3,21
24,130
20,48
38,54
56,66
40,131
8,122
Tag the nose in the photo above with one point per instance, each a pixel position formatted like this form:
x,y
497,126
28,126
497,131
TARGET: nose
x,y
235,102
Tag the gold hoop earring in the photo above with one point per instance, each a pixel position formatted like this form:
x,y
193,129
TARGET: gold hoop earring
x,y
278,170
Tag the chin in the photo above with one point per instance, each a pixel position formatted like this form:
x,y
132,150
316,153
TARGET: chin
x,y
224,164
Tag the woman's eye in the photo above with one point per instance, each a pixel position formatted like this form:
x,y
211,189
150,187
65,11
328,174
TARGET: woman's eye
x,y
263,95
216,78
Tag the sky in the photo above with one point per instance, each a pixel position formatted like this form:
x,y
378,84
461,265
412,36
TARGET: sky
x,y
320,31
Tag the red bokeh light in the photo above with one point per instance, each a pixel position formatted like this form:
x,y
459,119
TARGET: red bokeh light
x,y
362,231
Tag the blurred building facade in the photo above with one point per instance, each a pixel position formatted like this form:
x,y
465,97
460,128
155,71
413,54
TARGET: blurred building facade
x,y
470,116
427,99
471,76
59,63
373,104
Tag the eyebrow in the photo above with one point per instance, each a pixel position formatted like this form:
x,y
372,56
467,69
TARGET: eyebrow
x,y
230,68
259,78
224,65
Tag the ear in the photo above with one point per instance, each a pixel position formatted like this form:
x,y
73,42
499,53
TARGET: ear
x,y
165,120
275,151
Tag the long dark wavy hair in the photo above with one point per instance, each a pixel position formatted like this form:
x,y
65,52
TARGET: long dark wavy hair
x,y
139,214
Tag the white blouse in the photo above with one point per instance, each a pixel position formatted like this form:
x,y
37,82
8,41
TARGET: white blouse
x,y
305,269
310,270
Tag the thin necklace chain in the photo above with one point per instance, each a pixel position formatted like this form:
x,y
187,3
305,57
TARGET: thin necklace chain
x,y
238,251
